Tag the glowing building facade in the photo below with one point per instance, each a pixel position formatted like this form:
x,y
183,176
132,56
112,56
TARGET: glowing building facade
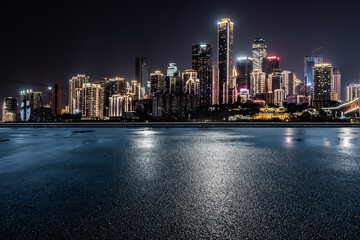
x,y
225,57
257,83
76,83
336,85
309,63
172,68
287,82
31,103
323,80
119,105
259,50
9,109
202,64
157,83
92,101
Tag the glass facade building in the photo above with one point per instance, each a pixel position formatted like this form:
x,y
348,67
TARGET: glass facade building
x,y
202,64
244,67
309,63
142,73
259,50
171,70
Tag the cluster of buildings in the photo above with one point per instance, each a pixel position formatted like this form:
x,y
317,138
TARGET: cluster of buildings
x,y
177,95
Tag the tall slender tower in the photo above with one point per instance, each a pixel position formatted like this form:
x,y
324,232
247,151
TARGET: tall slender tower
x,y
142,73
336,85
259,50
225,58
56,103
202,63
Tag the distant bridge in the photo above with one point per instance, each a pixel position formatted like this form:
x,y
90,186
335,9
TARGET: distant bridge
x,y
348,108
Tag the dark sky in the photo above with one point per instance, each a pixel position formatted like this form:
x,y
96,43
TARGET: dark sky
x,y
45,42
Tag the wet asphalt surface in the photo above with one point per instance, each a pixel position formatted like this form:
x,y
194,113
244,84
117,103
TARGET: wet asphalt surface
x,y
180,183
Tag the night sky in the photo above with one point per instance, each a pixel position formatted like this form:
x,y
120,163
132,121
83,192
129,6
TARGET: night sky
x,y
46,42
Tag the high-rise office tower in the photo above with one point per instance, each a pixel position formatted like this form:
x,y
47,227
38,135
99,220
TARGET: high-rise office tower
x,y
172,68
56,97
287,82
31,103
225,57
92,101
76,83
9,110
142,73
259,50
272,63
244,67
336,85
322,84
202,64
257,83
309,63
157,83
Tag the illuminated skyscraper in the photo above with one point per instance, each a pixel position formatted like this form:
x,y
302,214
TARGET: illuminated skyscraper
x,y
76,83
106,85
9,109
202,64
118,85
191,81
157,83
257,83
309,63
244,67
56,96
172,68
136,90
323,78
336,85
92,101
225,57
259,50
287,82
31,103
142,73
272,63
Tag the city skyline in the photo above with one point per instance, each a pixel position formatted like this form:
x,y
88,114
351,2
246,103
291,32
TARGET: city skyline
x,y
74,45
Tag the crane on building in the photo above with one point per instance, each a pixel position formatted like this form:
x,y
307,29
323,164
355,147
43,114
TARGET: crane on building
x,y
316,50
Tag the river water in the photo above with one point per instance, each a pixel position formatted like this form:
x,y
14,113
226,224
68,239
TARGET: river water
x,y
179,183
